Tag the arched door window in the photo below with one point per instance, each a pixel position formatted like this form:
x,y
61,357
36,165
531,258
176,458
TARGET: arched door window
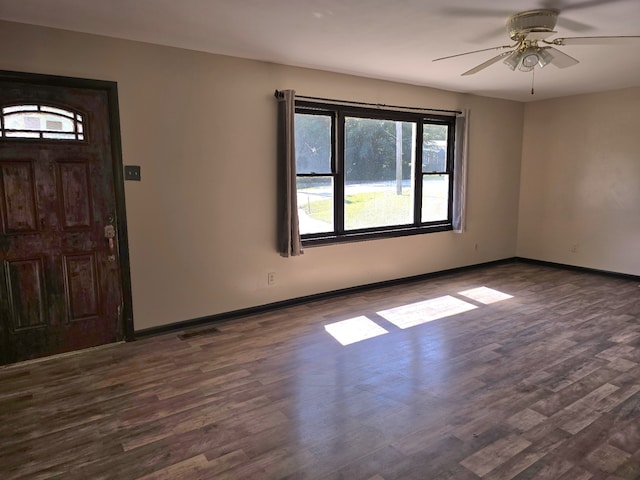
x,y
42,122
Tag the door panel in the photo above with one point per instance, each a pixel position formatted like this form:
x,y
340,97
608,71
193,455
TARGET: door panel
x,y
81,286
25,288
18,195
62,283
75,194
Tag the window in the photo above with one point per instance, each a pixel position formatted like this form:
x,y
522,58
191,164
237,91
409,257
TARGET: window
x,y
364,173
41,122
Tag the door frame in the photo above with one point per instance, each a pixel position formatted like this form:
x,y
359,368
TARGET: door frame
x,y
111,89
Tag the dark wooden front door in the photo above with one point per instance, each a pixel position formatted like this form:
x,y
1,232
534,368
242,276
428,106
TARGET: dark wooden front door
x,y
60,278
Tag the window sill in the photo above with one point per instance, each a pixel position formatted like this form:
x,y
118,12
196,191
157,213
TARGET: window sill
x,y
317,240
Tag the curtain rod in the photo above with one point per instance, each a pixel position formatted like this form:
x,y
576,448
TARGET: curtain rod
x,y
277,94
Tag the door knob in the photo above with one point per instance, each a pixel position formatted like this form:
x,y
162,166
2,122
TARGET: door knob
x,y
110,235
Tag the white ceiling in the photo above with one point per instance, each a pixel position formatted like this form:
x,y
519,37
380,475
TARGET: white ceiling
x,y
386,39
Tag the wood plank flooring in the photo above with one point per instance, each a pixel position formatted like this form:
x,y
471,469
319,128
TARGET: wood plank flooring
x,y
534,376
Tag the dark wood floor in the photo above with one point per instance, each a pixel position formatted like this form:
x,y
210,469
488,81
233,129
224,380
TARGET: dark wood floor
x,y
542,385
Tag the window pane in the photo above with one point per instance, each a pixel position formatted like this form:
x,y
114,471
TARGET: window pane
x,y
378,163
19,108
435,197
40,121
22,134
434,148
313,143
315,204
60,136
59,111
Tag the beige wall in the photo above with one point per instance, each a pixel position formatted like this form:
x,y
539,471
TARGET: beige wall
x,y
201,222
580,181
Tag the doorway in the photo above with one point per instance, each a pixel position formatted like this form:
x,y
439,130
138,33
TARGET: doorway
x,y
64,273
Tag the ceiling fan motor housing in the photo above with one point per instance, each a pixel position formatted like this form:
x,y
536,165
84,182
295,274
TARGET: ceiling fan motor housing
x,y
521,24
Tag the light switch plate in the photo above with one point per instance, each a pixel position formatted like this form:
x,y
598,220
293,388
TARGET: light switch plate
x,y
132,172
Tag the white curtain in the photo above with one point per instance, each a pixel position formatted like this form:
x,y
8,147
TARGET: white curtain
x,y
289,242
461,149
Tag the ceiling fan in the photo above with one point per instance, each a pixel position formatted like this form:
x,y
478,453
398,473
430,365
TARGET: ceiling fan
x,y
529,31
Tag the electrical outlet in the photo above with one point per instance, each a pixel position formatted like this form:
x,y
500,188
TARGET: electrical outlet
x,y
271,278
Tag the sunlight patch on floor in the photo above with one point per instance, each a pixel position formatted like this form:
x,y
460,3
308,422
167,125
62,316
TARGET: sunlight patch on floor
x,y
354,330
485,295
361,328
407,316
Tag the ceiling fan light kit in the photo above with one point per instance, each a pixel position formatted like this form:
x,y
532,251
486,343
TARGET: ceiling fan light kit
x,y
526,59
529,61
513,60
544,57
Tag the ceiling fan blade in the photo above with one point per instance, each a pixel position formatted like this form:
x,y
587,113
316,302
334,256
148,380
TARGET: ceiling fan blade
x,y
561,59
476,12
486,64
487,36
573,25
559,5
564,6
502,47
610,40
